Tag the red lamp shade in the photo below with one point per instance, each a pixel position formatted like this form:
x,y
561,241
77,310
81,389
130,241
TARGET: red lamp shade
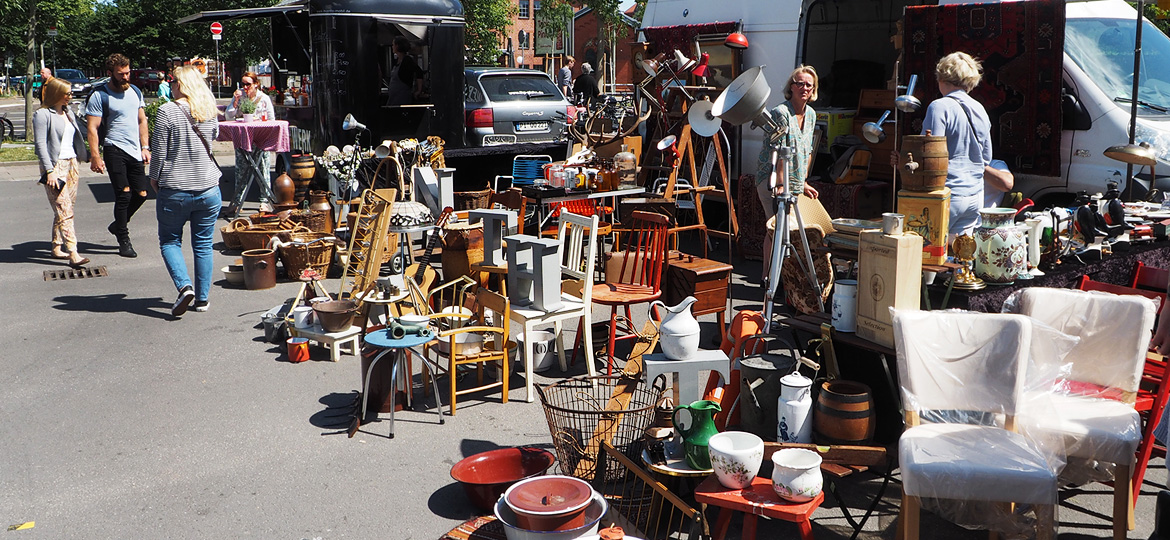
x,y
701,70
736,40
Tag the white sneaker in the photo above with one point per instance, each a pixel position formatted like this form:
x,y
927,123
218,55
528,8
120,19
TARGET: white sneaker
x,y
201,305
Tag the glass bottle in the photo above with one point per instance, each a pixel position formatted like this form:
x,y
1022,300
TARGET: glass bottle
x,y
626,165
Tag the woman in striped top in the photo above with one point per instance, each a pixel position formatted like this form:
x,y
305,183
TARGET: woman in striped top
x,y
186,177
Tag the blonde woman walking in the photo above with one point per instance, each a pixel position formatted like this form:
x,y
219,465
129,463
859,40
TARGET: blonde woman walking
x,y
186,177
58,143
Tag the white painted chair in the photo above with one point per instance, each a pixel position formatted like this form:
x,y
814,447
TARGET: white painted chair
x,y
960,361
577,253
1096,419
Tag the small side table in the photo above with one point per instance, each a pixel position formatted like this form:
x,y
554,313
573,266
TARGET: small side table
x,y
688,371
759,499
707,280
382,340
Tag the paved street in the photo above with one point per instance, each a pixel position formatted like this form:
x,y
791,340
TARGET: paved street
x,y
121,422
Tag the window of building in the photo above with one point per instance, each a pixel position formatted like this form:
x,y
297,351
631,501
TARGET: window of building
x,y
523,9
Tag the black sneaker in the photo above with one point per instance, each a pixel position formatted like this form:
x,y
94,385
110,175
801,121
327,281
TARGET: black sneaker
x,y
126,249
186,295
201,305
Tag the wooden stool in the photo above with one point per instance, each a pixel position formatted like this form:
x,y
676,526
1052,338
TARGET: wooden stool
x,y
758,500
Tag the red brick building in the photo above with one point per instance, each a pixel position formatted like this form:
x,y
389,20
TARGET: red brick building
x,y
583,44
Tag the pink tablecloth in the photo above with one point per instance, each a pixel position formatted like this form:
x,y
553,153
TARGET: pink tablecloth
x,y
271,136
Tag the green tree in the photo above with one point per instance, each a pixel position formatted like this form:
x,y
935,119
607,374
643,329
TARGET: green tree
x,y
487,24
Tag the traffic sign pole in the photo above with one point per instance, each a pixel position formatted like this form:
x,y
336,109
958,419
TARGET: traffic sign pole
x,y
216,36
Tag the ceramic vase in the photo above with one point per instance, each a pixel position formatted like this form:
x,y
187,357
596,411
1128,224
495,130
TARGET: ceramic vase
x,y
678,333
284,189
796,474
1035,229
1001,249
697,431
736,457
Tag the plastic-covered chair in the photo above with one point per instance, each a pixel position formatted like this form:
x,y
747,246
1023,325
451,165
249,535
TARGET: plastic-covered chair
x,y
960,373
1094,401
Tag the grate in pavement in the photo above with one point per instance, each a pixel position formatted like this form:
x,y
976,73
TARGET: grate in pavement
x,y
69,273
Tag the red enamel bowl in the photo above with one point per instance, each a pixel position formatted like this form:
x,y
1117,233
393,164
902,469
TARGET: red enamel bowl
x,y
487,475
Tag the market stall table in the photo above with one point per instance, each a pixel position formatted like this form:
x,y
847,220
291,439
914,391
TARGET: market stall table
x,y
269,136
543,200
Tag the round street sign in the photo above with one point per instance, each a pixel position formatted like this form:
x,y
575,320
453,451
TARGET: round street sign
x,y
216,28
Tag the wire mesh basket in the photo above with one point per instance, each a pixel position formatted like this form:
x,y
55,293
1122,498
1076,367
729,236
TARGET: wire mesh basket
x,y
578,420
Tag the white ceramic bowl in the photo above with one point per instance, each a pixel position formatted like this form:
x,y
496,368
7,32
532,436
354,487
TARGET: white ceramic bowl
x,y
593,515
235,278
796,474
736,457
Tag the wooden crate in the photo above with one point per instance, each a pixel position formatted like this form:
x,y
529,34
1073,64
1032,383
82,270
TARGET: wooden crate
x,y
928,214
705,279
889,275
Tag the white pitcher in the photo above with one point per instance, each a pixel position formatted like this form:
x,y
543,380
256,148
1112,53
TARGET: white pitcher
x,y
678,333
794,409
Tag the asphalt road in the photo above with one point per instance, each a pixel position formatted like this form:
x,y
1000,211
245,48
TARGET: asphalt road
x,y
122,422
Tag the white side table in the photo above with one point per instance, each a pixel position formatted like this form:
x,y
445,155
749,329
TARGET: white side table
x,y
687,370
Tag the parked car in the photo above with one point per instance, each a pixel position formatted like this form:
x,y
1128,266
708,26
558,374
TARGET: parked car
x,y
77,80
509,105
146,79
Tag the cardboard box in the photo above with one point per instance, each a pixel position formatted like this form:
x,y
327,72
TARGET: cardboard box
x,y
928,215
889,274
834,122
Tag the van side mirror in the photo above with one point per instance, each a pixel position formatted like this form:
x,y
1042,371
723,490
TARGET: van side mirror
x,y
1073,113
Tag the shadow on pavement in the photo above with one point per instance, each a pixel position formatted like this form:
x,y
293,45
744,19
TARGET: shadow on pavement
x,y
116,303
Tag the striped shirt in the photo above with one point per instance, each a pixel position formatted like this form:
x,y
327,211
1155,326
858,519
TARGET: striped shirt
x,y
180,159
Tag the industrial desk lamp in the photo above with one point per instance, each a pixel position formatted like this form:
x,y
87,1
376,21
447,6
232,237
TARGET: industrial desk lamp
x,y
745,100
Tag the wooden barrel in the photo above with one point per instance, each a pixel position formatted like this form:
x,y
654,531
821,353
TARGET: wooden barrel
x,y
844,413
462,247
922,162
302,173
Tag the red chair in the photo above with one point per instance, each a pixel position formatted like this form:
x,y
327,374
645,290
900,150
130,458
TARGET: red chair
x,y
1154,392
1150,277
633,274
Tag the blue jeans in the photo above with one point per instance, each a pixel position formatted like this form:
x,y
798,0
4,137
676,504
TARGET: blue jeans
x,y
175,209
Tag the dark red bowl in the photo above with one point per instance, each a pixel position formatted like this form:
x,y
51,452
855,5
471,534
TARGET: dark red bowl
x,y
485,476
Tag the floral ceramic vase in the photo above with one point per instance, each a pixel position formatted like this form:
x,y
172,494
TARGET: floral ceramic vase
x,y
796,474
736,457
1001,247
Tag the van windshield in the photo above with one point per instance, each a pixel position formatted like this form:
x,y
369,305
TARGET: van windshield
x,y
1103,48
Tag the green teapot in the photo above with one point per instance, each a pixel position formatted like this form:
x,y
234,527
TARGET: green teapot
x,y
699,429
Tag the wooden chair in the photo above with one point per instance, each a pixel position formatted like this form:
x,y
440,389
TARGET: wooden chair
x,y
578,255
1153,392
1095,415
490,321
633,274
639,504
1150,277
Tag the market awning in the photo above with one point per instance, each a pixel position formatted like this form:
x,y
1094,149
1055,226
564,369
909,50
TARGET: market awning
x,y
244,13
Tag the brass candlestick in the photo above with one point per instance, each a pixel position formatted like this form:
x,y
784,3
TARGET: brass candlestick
x,y
964,249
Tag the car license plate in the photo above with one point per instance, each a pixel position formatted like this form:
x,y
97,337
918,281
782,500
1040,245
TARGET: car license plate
x,y
524,127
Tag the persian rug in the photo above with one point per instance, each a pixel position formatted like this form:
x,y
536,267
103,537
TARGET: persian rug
x,y
1021,46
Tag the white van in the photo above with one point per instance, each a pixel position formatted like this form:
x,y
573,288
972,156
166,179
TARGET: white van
x,y
853,36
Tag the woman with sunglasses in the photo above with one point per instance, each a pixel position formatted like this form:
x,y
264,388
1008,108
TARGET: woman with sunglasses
x,y
59,144
250,90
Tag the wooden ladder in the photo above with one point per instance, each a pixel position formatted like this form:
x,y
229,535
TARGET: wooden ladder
x,y
367,242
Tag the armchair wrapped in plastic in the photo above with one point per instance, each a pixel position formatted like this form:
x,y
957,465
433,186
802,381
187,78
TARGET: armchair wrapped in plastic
x,y
965,378
1095,418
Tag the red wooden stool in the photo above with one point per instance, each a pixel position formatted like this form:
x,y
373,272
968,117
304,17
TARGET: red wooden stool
x,y
758,500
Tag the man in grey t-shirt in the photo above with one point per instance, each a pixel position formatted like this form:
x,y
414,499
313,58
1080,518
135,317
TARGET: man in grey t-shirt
x,y
117,125
565,77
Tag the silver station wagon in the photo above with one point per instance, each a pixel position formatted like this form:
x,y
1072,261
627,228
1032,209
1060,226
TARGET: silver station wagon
x,y
510,105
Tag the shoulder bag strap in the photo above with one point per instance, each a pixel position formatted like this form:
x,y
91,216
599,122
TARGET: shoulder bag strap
x,y
974,134
195,128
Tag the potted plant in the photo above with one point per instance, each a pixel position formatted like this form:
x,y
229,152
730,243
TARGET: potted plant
x,y
247,109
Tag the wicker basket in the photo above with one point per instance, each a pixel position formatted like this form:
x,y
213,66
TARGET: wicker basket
x,y
307,250
257,236
316,220
230,233
471,200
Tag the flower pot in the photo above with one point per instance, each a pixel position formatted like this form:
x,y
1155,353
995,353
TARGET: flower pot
x,y
736,457
796,474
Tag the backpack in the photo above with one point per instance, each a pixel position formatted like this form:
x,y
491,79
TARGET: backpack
x,y
104,126
852,163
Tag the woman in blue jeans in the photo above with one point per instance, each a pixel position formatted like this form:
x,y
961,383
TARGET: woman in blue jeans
x,y
186,177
